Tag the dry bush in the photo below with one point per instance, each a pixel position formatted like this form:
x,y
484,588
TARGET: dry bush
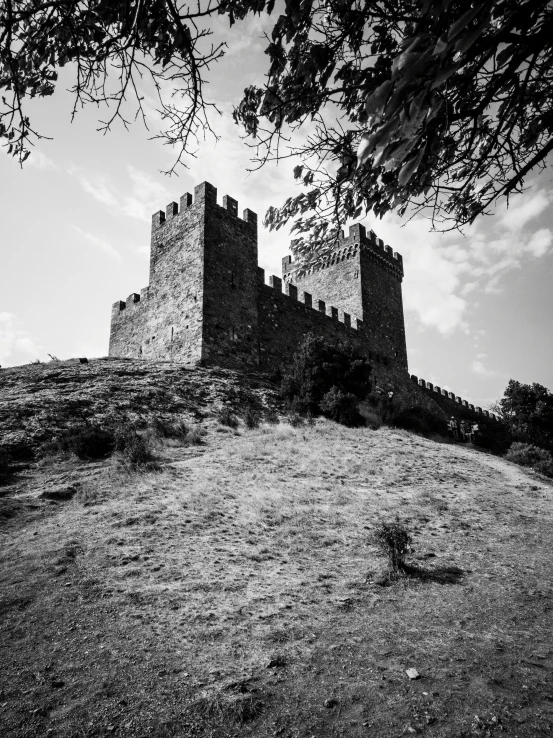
x,y
225,416
136,450
178,431
5,464
85,440
394,540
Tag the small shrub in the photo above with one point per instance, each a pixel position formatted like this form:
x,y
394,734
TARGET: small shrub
x,y
85,440
394,540
295,419
341,407
526,454
225,416
135,450
252,416
170,429
5,464
271,416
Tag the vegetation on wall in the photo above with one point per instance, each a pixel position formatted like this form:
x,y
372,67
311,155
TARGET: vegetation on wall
x,y
327,379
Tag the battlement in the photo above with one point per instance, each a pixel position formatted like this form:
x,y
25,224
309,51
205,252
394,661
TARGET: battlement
x,y
205,195
453,399
348,247
330,312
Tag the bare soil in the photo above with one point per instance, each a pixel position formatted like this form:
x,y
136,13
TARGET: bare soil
x,y
237,592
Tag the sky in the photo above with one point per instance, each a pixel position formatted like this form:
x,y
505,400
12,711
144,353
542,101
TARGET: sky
x,y
76,227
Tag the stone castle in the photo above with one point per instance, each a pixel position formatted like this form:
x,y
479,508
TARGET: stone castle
x,y
207,302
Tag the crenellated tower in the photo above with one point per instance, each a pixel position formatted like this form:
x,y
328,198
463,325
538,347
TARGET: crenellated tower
x,y
363,276
201,303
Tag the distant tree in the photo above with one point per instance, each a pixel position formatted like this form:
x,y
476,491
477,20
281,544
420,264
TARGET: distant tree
x,y
438,105
116,48
527,409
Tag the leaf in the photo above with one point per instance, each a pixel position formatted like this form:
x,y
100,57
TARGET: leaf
x,y
378,98
463,21
364,149
409,169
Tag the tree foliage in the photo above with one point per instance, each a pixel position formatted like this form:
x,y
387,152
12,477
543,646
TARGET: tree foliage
x,y
434,105
527,409
327,378
118,49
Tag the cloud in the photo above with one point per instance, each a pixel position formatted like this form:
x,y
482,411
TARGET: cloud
x,y
145,193
16,342
38,160
522,209
442,270
98,243
478,367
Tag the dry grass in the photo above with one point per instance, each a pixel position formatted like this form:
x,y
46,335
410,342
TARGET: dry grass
x,y
235,590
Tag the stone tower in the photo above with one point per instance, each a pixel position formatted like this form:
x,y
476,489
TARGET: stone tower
x,y
364,278
201,303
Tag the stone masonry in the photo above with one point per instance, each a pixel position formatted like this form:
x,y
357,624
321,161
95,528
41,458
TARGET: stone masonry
x,y
208,304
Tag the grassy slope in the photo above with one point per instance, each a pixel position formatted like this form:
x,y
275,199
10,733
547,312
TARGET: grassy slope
x,y
157,603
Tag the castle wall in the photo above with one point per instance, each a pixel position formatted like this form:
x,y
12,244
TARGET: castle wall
x,y
285,320
230,327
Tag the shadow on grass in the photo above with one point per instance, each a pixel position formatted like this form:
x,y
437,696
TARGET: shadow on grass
x,y
440,574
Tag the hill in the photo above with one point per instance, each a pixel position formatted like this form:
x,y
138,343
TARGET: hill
x,y
237,591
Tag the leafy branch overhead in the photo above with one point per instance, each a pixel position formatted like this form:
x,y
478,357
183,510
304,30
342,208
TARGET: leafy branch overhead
x,y
435,105
119,51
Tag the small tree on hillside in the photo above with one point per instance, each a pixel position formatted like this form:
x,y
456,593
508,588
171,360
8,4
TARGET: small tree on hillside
x,y
327,378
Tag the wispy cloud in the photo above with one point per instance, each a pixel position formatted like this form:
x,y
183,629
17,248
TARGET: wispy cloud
x,y
39,160
442,270
98,243
16,342
144,193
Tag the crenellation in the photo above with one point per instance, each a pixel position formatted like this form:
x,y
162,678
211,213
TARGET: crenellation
x,y
158,219
332,312
291,290
132,299
321,306
171,210
248,216
345,318
230,204
275,283
205,193
260,275
185,201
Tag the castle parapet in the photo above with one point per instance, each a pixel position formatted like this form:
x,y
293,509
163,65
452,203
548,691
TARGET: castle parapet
x,y
204,194
348,246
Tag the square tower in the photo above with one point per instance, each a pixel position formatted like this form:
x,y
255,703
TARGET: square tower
x,y
362,277
201,303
